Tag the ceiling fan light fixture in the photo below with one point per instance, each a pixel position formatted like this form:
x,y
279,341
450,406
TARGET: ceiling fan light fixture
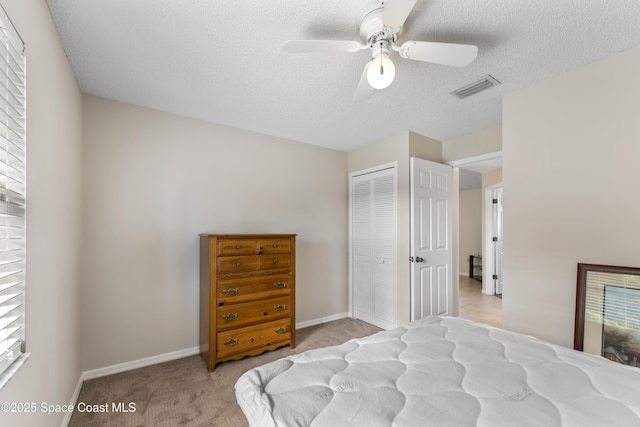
x,y
381,72
379,31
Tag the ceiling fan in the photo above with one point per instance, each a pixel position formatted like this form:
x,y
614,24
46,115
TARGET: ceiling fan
x,y
379,31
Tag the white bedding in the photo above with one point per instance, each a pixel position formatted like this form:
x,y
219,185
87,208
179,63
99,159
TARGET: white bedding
x,y
441,371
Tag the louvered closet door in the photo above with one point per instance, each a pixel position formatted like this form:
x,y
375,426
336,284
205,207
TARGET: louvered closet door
x,y
374,283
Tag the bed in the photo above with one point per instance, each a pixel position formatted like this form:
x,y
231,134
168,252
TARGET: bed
x,y
441,371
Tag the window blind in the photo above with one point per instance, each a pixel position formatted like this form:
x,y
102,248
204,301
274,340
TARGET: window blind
x,y
12,199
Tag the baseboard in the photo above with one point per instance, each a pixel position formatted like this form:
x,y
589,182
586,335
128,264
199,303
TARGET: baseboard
x,y
148,361
140,363
321,320
72,402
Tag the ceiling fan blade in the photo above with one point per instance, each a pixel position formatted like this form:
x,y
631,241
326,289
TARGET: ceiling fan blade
x,y
456,55
306,46
364,89
396,12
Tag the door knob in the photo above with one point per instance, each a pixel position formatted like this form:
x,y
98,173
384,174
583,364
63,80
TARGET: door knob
x,y
418,259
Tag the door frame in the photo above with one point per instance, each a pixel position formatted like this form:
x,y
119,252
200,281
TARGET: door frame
x,y
488,259
488,285
378,168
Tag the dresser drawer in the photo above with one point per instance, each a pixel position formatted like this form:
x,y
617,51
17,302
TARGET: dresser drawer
x,y
246,313
274,246
230,247
233,291
234,264
271,262
237,264
239,340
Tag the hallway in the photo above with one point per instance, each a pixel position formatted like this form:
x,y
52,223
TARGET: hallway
x,y
474,305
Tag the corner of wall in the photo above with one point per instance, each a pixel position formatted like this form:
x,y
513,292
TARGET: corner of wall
x,y
425,148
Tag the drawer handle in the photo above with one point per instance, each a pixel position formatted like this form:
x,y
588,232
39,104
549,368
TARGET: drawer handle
x,y
275,260
280,307
231,342
280,330
275,245
280,285
238,264
230,316
238,247
231,291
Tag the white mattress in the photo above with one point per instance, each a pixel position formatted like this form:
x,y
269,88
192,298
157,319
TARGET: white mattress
x,y
442,371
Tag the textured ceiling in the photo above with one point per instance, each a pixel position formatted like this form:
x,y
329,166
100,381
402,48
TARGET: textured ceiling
x,y
223,61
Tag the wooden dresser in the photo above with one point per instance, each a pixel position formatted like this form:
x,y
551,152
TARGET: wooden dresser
x,y
247,295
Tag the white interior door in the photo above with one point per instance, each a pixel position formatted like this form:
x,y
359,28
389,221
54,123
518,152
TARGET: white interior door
x,y
373,247
431,239
497,239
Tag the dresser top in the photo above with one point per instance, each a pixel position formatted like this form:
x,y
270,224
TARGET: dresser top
x,y
246,236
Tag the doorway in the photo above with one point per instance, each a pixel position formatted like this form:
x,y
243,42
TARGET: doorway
x,y
477,288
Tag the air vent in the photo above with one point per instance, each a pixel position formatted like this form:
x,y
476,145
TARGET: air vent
x,y
471,89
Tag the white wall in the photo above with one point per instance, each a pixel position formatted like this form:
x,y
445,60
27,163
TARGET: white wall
x,y
53,220
425,148
484,141
153,181
470,216
570,167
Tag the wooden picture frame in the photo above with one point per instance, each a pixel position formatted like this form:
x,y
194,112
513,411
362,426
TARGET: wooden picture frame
x,y
607,321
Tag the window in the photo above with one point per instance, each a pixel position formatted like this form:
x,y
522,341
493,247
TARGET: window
x,y
12,200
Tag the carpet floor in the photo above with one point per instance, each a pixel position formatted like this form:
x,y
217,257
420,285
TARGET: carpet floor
x,y
183,393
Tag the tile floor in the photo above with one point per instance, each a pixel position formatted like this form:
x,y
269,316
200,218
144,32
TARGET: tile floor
x,y
475,305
